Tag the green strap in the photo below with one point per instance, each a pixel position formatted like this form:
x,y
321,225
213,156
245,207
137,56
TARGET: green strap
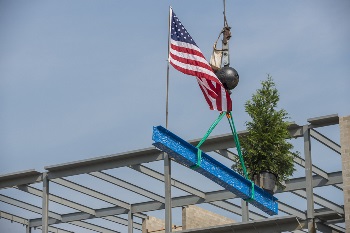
x,y
199,151
252,194
238,145
235,137
211,128
199,160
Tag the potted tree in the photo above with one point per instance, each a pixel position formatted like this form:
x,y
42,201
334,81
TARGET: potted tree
x,y
267,153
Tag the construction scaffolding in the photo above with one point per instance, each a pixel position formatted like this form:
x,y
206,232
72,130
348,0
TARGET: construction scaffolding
x,y
318,213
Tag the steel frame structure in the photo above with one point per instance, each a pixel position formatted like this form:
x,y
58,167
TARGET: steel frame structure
x,y
297,220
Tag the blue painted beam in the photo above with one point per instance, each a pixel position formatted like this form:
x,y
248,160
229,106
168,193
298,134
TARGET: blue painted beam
x,y
186,154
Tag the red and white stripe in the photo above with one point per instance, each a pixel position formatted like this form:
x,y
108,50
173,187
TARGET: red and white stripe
x,y
188,59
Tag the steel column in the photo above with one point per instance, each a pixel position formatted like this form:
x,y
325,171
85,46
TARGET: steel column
x,y
28,229
167,182
308,180
45,204
245,211
130,222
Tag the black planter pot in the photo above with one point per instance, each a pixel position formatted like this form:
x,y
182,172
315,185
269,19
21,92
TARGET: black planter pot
x,y
266,180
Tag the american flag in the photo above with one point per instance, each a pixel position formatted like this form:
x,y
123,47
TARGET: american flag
x,y
186,57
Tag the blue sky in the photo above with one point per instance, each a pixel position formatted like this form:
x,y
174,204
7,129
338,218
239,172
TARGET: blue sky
x,y
80,79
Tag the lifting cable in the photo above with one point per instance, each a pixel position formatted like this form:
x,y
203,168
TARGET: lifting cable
x,y
238,146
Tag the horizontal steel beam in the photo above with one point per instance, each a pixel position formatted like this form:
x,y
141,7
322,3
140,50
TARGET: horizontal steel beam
x,y
87,213
91,192
19,178
95,194
77,216
126,185
322,227
176,183
57,199
13,218
104,163
317,181
53,216
26,206
233,208
23,221
321,201
57,230
105,213
93,227
186,154
323,121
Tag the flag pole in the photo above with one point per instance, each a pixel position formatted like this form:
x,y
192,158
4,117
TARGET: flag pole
x,y
167,160
167,73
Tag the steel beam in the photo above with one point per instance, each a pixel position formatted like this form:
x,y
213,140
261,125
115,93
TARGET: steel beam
x,y
323,121
18,178
26,206
88,212
176,183
14,218
236,209
321,201
288,209
56,230
186,154
104,163
329,228
91,192
104,213
325,141
317,181
78,216
93,227
128,186
57,199
54,217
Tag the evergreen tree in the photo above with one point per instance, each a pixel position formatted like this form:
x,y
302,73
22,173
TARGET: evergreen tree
x,y
265,147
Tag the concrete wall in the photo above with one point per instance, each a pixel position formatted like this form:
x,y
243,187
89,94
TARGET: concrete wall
x,y
196,217
344,124
192,217
156,225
